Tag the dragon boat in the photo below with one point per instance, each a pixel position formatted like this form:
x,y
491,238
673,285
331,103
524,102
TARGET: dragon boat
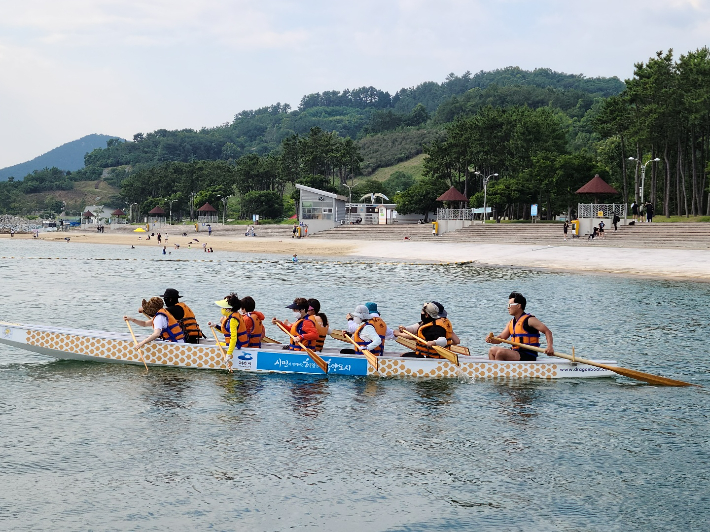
x,y
102,346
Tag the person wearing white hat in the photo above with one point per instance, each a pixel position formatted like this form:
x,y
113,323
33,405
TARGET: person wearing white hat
x,y
375,320
366,336
232,325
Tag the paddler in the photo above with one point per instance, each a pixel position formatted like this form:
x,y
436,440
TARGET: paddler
x,y
432,328
375,320
366,334
232,325
320,320
523,328
303,329
184,315
253,320
165,326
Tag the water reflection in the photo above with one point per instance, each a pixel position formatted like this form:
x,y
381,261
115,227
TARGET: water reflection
x,y
436,393
239,388
307,396
368,390
518,403
166,389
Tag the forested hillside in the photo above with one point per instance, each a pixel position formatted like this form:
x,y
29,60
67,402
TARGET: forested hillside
x,y
334,136
69,156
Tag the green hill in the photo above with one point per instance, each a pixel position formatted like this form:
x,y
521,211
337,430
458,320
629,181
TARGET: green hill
x,y
69,156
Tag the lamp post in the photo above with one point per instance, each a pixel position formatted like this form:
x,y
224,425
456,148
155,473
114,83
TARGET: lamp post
x,y
171,209
193,195
485,191
643,171
350,192
131,211
224,200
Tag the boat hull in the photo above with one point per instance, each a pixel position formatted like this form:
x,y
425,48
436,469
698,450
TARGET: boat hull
x,y
101,346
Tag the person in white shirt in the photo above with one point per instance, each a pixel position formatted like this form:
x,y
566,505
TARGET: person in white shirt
x,y
165,326
365,334
374,313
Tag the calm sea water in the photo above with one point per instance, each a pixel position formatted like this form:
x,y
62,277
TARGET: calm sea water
x,y
89,446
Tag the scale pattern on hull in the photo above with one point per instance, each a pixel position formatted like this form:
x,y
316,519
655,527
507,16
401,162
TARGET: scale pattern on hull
x,y
445,369
155,353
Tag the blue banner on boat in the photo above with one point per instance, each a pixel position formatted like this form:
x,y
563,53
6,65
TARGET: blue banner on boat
x,y
301,363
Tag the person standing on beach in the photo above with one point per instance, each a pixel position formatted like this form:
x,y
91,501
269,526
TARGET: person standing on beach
x,y
12,233
635,211
160,238
565,227
523,328
649,212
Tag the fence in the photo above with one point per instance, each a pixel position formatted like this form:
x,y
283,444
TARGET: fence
x,y
454,214
601,210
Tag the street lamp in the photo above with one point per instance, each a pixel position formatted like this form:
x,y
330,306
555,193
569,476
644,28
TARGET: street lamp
x,y
193,195
485,191
350,193
131,211
224,200
171,209
643,171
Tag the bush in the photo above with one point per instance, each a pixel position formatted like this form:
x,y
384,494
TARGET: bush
x,y
266,203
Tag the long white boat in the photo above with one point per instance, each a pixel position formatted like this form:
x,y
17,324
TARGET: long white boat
x,y
103,346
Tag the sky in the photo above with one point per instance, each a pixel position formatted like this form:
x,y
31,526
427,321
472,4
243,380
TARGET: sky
x,y
73,67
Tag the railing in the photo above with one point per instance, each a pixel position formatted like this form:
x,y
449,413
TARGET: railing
x,y
454,214
601,210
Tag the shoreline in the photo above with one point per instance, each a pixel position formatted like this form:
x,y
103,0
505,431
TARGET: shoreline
x,y
628,262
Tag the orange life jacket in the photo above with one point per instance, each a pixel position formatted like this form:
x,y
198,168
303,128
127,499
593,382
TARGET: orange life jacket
x,y
380,328
242,338
173,332
255,328
189,323
523,333
322,331
297,330
430,352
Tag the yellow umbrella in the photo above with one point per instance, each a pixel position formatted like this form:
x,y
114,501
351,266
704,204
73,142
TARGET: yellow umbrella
x,y
139,230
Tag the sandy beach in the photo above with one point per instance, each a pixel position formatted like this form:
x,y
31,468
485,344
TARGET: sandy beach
x,y
676,264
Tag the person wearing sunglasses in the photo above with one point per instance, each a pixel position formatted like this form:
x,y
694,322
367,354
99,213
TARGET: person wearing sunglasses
x,y
523,328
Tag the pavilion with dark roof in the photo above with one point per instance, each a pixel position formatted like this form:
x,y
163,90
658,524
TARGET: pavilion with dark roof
x,y
156,216
207,214
590,214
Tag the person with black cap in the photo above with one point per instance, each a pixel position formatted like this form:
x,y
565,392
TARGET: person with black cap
x,y
447,324
184,315
302,329
433,329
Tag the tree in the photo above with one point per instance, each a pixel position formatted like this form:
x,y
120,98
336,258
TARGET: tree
x,y
421,197
267,204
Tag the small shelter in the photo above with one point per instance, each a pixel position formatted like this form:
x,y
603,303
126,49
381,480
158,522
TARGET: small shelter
x,y
590,214
88,217
319,209
117,214
156,216
453,195
207,214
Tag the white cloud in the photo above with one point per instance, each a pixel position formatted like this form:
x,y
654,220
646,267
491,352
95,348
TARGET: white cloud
x,y
82,66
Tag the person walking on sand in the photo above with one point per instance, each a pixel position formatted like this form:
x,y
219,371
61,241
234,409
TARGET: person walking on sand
x,y
160,238
523,328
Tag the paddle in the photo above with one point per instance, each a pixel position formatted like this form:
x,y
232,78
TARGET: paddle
x,y
322,364
267,340
219,344
626,372
135,344
339,335
369,355
445,353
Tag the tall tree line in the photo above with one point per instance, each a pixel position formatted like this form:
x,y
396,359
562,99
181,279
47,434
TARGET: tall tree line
x,y
664,113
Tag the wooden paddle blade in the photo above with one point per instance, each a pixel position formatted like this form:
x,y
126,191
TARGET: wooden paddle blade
x,y
322,364
647,377
339,335
409,344
448,355
461,350
372,359
267,340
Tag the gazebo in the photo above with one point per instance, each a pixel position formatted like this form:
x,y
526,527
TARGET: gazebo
x,y
156,216
453,195
88,216
118,213
590,214
207,214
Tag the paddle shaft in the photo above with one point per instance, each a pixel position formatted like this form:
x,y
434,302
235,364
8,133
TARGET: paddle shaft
x,y
322,364
135,344
369,355
219,344
267,340
448,355
632,373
